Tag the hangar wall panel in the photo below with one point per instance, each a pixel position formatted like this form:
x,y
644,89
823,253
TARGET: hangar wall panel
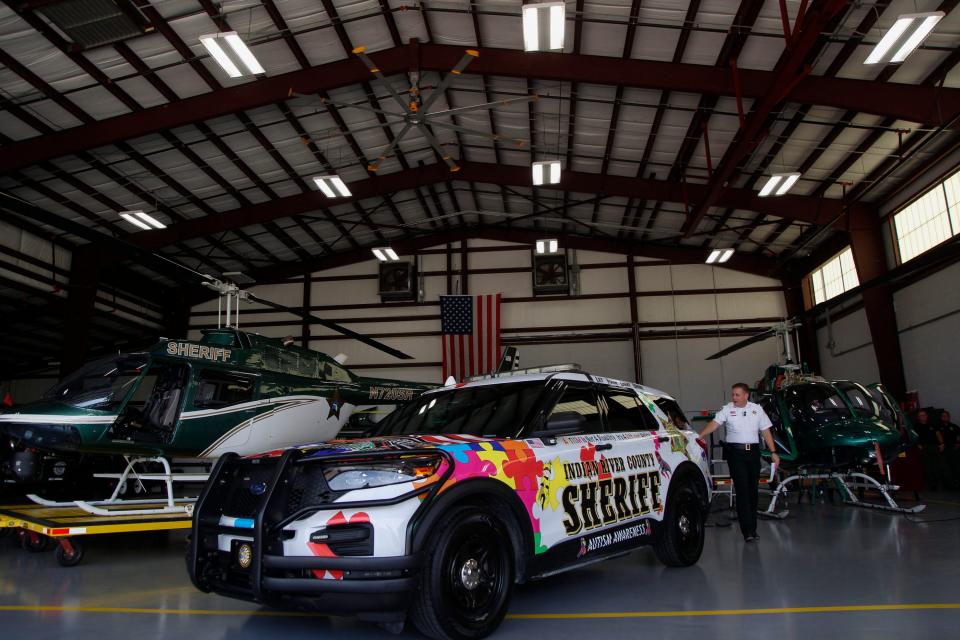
x,y
592,329
928,316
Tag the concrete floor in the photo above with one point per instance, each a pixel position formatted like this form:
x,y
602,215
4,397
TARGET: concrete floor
x,y
881,568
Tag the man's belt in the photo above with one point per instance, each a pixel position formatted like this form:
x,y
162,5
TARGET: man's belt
x,y
743,446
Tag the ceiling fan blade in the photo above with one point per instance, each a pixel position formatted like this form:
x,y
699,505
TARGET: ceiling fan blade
x,y
359,51
432,139
760,337
447,79
394,144
332,325
486,105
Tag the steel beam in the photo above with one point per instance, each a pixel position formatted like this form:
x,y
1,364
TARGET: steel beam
x,y
811,210
903,101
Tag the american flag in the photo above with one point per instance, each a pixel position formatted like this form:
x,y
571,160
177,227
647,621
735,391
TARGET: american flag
x,y
470,328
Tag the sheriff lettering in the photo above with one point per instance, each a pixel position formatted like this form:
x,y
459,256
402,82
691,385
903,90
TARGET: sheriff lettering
x,y
391,393
202,351
601,503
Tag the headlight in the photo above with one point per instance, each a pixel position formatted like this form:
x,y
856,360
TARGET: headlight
x,y
378,474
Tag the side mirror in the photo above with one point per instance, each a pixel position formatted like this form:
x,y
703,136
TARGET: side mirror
x,y
562,423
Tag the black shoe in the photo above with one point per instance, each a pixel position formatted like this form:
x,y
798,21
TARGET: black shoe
x,y
751,539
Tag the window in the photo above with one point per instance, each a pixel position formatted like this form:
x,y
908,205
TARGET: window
x,y
929,220
583,401
835,276
860,399
814,405
674,412
625,413
220,389
496,410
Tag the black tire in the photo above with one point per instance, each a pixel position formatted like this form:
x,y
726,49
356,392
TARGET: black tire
x,y
467,577
70,559
34,543
682,536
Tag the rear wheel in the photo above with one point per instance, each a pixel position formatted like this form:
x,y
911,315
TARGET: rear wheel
x,y
681,541
467,577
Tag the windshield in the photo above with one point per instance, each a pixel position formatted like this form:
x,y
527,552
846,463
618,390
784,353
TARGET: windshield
x,y
494,411
814,405
101,385
860,399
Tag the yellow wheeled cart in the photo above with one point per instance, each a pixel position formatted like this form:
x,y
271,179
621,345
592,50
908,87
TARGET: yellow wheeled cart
x,y
38,525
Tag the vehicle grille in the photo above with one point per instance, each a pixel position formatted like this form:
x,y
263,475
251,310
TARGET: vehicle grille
x,y
308,486
242,494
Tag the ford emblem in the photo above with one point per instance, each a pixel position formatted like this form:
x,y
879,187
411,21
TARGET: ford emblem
x,y
258,489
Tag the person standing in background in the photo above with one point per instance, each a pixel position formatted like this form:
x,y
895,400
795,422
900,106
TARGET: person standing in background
x,y
950,458
931,445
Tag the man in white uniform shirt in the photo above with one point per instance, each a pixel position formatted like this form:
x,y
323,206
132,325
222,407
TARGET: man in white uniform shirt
x,y
745,422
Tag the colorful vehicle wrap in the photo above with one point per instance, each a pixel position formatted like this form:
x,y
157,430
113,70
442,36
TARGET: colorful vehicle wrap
x,y
314,523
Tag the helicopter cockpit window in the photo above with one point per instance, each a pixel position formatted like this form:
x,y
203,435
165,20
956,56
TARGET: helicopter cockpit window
x,y
101,385
217,389
863,405
334,372
814,405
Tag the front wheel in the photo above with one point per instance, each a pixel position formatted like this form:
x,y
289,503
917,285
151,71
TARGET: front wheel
x,y
681,541
467,577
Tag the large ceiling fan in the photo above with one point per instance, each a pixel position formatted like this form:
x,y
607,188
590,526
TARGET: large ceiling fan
x,y
415,112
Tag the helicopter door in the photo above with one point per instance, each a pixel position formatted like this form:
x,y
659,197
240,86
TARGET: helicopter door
x,y
152,412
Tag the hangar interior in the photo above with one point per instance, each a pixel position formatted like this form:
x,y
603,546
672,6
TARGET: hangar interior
x,y
666,121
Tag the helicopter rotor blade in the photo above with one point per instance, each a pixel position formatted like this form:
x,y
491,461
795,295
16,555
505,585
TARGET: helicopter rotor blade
x,y
760,337
331,325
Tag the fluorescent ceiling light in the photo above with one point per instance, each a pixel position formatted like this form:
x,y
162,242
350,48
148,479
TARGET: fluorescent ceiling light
x,y
385,254
544,26
719,256
129,217
547,246
234,56
150,220
546,172
904,36
782,182
141,220
327,184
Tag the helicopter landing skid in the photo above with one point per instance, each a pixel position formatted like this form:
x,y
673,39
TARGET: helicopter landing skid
x,y
846,482
171,504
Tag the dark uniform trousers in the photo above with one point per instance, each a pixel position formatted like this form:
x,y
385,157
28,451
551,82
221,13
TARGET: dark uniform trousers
x,y
745,473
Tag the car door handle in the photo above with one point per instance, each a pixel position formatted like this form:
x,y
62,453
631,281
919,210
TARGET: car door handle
x,y
663,438
604,447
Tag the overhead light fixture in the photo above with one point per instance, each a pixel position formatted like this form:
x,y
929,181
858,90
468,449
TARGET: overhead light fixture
x,y
547,246
232,54
332,186
719,256
546,172
778,184
544,24
142,220
385,254
904,36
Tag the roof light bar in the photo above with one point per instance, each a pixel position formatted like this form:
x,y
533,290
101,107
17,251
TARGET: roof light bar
x,y
544,26
778,184
906,34
332,186
234,56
